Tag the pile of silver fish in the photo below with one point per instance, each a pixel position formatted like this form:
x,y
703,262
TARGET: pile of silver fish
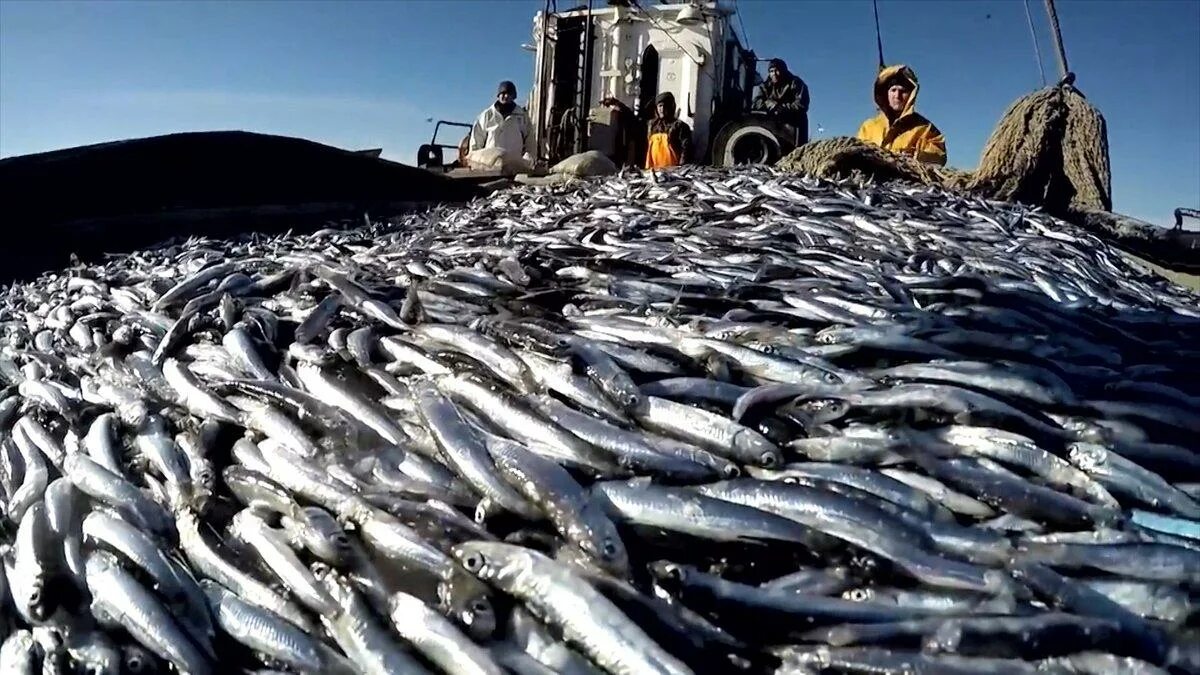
x,y
690,422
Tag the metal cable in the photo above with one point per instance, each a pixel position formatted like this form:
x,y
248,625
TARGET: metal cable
x,y
878,35
1037,50
1058,43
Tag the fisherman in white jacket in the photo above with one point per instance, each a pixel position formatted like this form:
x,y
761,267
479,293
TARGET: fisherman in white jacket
x,y
505,125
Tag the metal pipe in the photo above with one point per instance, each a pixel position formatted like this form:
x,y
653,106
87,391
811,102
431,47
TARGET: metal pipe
x,y
542,85
585,94
1058,42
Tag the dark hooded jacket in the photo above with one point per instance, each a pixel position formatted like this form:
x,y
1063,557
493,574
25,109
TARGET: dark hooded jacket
x,y
679,134
787,97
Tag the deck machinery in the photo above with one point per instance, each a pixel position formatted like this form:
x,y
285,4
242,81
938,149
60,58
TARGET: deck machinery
x,y
631,51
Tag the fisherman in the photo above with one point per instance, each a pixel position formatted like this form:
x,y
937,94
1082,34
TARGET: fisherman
x,y
504,125
784,95
898,126
670,139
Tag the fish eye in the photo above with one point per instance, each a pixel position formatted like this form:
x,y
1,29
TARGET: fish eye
x,y
481,512
768,458
481,606
674,573
609,549
473,562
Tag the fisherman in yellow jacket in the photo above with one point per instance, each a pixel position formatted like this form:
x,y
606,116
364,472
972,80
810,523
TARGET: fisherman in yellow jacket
x,y
898,126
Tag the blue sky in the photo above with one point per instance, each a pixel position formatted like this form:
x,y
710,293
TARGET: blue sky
x,y
369,74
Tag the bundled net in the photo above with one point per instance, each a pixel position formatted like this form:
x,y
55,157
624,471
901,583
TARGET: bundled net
x,y
1049,149
845,157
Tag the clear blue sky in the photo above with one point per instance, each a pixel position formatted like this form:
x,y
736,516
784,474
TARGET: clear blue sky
x,y
368,74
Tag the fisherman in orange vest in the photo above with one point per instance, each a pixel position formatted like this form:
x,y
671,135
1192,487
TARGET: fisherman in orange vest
x,y
670,141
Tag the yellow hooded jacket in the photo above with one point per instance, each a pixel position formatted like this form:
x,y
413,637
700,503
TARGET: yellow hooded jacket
x,y
909,133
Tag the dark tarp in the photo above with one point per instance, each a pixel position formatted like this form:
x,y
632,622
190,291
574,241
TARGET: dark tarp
x,y
116,196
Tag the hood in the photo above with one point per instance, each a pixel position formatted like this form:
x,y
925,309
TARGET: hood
x,y
881,92
669,99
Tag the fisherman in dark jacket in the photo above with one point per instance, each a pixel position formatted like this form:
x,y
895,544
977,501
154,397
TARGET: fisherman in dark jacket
x,y
786,96
670,139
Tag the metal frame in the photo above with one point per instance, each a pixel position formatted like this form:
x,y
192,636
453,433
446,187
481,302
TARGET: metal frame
x,y
436,127
441,146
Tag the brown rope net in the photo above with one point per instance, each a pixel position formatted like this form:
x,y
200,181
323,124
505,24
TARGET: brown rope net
x,y
1049,149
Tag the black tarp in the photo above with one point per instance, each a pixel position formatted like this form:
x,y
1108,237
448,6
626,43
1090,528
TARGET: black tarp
x,y
121,195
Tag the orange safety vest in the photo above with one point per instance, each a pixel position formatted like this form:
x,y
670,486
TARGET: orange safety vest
x,y
660,154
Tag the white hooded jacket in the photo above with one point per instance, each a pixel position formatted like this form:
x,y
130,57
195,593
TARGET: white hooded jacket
x,y
513,134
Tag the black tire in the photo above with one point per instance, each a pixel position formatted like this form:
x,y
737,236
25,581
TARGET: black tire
x,y
747,142
430,157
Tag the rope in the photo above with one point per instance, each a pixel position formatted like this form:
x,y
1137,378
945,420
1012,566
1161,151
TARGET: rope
x,y
1058,43
878,35
1036,49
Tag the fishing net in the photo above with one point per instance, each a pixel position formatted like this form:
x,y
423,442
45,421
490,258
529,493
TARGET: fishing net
x,y
1049,149
846,157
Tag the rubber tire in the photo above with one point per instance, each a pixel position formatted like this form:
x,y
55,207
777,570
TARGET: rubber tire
x,y
736,133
